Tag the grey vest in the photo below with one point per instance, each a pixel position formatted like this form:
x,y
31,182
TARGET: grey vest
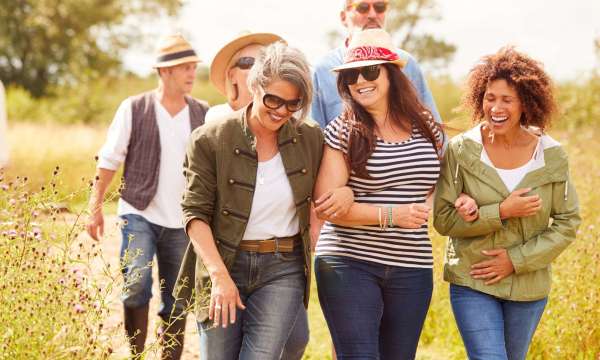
x,y
142,163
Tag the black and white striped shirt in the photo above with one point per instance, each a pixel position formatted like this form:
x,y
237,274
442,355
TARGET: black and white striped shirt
x,y
401,173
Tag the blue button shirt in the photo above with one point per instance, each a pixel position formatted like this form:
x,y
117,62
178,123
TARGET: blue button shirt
x,y
327,104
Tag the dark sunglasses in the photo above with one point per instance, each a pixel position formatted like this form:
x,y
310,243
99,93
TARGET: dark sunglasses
x,y
364,7
244,63
274,102
369,73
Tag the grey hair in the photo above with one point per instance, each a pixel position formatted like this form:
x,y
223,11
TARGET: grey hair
x,y
278,61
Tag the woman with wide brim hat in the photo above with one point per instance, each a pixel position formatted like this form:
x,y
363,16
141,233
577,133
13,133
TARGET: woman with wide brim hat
x,y
230,67
386,147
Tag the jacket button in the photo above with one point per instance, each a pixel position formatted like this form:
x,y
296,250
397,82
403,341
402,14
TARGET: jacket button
x,y
236,151
231,181
225,212
303,171
294,140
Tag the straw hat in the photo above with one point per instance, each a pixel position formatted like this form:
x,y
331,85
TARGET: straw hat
x,y
174,50
370,47
218,67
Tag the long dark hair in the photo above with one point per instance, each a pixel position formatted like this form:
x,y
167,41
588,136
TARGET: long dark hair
x,y
403,103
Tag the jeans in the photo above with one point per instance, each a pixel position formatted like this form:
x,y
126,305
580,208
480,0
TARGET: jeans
x,y
271,287
493,328
298,340
141,241
373,311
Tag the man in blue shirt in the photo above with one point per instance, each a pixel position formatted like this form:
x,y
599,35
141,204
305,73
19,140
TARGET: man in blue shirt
x,y
355,16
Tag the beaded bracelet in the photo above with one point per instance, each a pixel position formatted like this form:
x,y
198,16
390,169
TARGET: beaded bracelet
x,y
390,216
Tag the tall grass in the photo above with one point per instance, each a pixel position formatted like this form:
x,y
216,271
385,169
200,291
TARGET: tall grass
x,y
568,330
50,305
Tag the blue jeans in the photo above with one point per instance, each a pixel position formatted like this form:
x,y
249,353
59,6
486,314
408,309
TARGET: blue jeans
x,y
492,328
373,311
141,241
296,343
271,287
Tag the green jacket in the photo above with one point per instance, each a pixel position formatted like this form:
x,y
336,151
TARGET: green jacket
x,y
220,169
532,242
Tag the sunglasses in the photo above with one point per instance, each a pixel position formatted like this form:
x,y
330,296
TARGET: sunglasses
x,y
369,73
364,7
274,102
244,63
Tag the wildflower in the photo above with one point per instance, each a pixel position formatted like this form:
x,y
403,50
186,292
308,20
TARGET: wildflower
x,y
79,309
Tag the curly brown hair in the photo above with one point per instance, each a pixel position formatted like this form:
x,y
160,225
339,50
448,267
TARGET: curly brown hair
x,y
525,75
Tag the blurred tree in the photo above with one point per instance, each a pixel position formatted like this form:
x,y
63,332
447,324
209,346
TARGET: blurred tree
x,y
403,22
51,42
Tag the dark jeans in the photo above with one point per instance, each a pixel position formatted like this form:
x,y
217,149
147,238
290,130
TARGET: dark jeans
x,y
271,287
373,311
141,241
492,328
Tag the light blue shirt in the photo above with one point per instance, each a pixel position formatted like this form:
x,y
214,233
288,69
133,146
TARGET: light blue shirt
x,y
327,104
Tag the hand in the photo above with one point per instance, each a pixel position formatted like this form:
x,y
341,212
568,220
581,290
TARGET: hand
x,y
224,298
95,224
495,269
466,207
411,216
519,205
334,203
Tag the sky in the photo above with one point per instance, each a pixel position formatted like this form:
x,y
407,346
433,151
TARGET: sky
x,y
558,33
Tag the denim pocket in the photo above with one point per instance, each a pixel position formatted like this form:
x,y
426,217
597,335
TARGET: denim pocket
x,y
295,255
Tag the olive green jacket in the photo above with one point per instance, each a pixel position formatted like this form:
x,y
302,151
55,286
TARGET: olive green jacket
x,y
220,170
532,242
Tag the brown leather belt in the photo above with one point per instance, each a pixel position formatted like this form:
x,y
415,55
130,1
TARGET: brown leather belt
x,y
283,244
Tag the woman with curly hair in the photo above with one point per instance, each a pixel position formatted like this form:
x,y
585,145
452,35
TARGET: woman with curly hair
x,y
522,211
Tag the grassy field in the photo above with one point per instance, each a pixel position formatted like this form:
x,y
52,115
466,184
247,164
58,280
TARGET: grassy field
x,y
53,143
568,329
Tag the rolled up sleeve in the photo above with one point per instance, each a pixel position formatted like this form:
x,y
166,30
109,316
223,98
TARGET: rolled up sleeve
x,y
199,169
113,152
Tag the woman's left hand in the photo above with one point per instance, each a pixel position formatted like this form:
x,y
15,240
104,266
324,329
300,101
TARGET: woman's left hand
x,y
496,269
334,203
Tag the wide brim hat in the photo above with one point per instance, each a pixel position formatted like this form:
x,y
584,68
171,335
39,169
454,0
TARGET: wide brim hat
x,y
218,67
174,50
370,47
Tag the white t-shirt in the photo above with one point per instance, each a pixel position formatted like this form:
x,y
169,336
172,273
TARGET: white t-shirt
x,y
273,212
174,131
216,111
511,177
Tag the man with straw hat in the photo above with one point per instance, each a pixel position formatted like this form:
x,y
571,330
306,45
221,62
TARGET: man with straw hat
x,y
229,73
357,15
229,70
149,134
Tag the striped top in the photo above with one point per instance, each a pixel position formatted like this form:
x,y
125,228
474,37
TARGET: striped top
x,y
401,173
